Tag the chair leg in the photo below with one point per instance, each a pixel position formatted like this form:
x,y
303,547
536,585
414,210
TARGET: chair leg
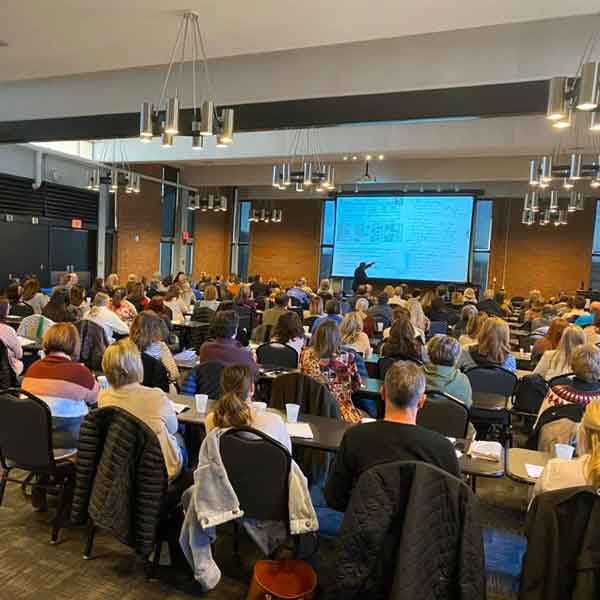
x,y
156,559
3,481
87,553
58,519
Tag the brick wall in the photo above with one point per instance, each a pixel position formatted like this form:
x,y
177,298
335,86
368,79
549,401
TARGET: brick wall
x,y
548,258
211,243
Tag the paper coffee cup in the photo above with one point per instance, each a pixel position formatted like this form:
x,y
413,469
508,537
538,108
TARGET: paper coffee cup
x,y
379,326
259,406
564,451
201,403
306,329
291,411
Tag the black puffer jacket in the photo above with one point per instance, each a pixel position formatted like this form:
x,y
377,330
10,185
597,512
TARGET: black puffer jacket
x,y
410,532
93,344
121,478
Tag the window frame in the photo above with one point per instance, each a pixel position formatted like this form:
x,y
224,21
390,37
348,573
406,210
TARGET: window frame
x,y
240,214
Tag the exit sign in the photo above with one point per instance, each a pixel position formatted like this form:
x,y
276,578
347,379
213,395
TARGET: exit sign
x,y
76,223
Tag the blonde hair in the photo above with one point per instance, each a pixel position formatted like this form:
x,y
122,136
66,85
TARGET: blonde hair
x,y
112,281
100,299
469,295
316,306
586,363
475,323
494,340
62,337
591,428
351,327
122,363
571,338
417,316
389,290
210,293
232,409
427,299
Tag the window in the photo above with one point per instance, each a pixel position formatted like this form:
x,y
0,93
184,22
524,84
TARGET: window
x,y
166,258
327,239
189,258
168,202
595,271
482,239
240,250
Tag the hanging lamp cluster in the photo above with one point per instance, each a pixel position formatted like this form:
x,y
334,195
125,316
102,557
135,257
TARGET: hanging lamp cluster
x,y
206,201
304,169
546,207
162,118
266,214
116,172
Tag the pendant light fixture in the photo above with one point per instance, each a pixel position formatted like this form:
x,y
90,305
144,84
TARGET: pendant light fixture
x,y
206,121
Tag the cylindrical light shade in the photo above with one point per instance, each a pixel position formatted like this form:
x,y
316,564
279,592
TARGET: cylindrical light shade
x,y
562,217
146,121
535,203
299,187
114,180
545,218
572,207
331,177
221,142
595,183
568,185
307,182
197,142
557,101
553,207
527,202
211,201
224,203
129,185
275,176
167,140
227,125
525,217
594,121
263,215
208,113
138,184
580,201
534,175
575,166
564,123
587,96
286,174
546,169
172,122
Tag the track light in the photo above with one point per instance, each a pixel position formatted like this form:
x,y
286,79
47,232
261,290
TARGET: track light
x,y
172,122
587,98
557,102
553,206
575,166
534,173
146,128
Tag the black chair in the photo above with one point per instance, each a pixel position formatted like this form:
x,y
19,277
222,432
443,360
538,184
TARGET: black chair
x,y
26,444
381,323
493,389
277,355
155,373
529,395
203,314
8,378
208,377
564,379
445,414
309,321
21,309
258,469
437,327
386,362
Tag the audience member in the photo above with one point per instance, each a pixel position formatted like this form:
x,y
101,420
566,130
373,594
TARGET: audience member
x,y
111,283
259,287
469,338
136,295
315,308
427,299
397,298
234,408
325,290
33,296
399,313
353,336
100,314
382,312
332,313
298,295
539,325
361,307
78,305
157,305
271,315
17,306
397,437
122,365
174,301
558,362
57,309
209,299
489,304
577,310
122,307
336,369
591,328
417,317
467,311
469,296
439,312
8,337
289,331
457,301
403,342
550,340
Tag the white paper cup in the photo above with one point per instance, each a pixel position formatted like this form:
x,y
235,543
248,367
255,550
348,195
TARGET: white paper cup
x,y
259,406
380,326
102,382
291,411
564,451
201,403
306,329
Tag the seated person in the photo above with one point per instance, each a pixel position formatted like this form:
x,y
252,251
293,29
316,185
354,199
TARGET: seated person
x,y
122,365
558,362
382,311
591,324
577,311
289,331
399,313
225,349
100,314
398,297
174,300
469,296
17,306
403,343
234,408
417,317
489,304
65,385
353,336
361,292
397,437
583,470
466,312
10,339
122,307
33,296
474,325
492,348
439,312
361,307
441,372
271,315
584,387
298,295
550,340
209,298
332,313
315,308
157,305
57,309
325,362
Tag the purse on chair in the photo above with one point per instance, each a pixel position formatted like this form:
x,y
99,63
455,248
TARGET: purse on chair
x,y
282,580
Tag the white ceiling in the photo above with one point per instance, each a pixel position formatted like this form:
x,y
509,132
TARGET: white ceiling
x,y
64,37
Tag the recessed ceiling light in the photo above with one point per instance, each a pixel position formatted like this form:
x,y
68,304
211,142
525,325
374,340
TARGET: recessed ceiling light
x,y
345,158
368,157
381,157
355,157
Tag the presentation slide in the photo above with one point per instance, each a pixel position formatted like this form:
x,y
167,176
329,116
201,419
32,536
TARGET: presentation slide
x,y
414,238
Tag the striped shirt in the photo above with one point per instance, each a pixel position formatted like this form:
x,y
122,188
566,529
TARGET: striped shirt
x,y
67,387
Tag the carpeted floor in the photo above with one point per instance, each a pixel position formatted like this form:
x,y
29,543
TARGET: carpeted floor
x,y
32,569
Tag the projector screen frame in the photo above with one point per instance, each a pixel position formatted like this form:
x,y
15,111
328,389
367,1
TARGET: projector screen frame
x,y
476,194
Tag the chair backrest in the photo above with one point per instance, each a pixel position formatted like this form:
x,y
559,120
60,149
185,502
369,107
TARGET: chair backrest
x,y
25,431
21,309
245,316
34,326
309,321
386,362
155,373
445,414
208,379
436,327
258,469
93,343
529,394
203,314
492,380
381,323
563,379
8,377
277,355
262,334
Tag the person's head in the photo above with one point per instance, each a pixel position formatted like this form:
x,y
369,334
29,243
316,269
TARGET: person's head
x,y
585,363
63,338
572,337
118,297
146,329
112,281
488,294
494,340
427,299
289,327
591,433
438,304
173,293
316,306
469,295
595,311
351,327
225,324
101,299
281,300
362,305
404,389
382,299
210,293
468,310
361,290
417,316
579,302
13,293
73,279
500,297
401,341
76,295
59,297
389,290
237,388
180,277
243,295
535,296
4,308
443,350
30,288
326,339
325,285
132,277
456,298
555,332
157,304
475,323
135,290
401,313
122,364
332,307
98,284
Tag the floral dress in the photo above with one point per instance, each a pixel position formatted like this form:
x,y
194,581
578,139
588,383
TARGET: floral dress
x,y
341,377
126,311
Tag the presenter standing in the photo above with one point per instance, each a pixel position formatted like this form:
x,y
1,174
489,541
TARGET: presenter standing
x,y
360,275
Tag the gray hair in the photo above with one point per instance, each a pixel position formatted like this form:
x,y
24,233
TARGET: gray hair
x,y
586,363
468,311
404,384
362,305
443,350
